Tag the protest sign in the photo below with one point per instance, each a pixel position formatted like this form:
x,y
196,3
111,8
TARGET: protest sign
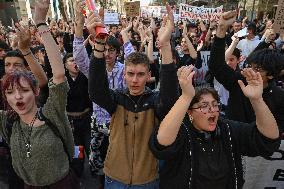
x,y
199,76
265,172
193,12
132,9
111,18
278,25
154,11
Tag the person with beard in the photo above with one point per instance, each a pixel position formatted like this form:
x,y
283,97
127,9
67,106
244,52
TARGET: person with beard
x,y
79,107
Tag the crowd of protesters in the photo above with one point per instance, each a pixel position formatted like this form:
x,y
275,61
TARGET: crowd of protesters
x,y
129,102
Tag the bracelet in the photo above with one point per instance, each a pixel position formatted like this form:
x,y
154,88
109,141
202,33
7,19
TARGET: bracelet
x,y
98,50
41,24
43,32
100,43
30,52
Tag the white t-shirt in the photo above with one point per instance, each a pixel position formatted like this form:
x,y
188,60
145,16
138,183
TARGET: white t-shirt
x,y
222,92
247,46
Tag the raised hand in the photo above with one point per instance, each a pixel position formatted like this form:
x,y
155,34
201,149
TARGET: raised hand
x,y
79,8
184,31
41,9
165,32
92,22
142,32
185,75
213,23
152,24
254,88
24,37
149,33
127,28
135,24
227,18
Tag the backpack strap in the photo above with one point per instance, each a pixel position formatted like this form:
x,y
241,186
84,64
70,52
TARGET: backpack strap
x,y
9,124
55,130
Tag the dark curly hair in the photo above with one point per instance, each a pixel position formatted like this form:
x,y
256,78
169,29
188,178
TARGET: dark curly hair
x,y
269,60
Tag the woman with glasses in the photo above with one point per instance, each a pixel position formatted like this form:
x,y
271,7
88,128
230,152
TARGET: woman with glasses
x,y
200,150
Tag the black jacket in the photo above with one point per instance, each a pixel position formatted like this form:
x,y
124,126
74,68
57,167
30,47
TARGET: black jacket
x,y
181,158
132,123
239,107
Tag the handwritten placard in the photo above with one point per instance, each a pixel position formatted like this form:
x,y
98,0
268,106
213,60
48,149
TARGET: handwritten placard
x,y
132,9
278,25
111,18
193,12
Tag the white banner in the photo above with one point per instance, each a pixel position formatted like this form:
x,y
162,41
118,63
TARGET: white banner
x,y
265,173
193,12
111,18
155,11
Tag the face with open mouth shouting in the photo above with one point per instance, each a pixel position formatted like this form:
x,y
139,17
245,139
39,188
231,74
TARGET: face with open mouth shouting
x,y
21,97
71,66
205,113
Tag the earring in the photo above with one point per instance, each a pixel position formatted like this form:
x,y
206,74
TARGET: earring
x,y
190,119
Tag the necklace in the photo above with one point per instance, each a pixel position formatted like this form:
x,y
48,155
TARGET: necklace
x,y
208,147
27,139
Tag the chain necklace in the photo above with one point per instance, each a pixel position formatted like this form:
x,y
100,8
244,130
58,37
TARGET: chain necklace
x,y
27,139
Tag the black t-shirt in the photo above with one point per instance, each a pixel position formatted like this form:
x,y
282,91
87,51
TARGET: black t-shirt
x,y
213,167
185,60
2,68
154,68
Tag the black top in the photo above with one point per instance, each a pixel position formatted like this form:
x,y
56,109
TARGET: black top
x,y
186,60
213,170
154,68
78,97
239,107
109,99
2,68
184,163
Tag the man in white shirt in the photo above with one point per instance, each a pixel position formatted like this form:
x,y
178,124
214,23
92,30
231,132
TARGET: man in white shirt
x,y
248,44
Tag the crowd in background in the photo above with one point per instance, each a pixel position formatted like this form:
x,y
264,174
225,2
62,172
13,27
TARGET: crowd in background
x,y
103,102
